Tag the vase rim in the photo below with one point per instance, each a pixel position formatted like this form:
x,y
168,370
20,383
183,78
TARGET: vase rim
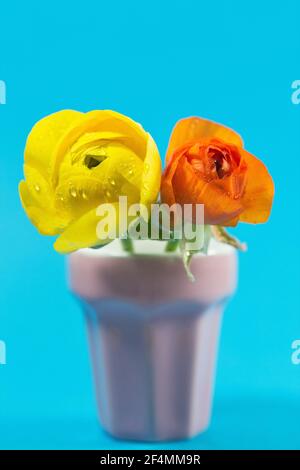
x,y
152,249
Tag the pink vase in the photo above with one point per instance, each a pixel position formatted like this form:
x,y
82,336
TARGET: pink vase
x,y
153,338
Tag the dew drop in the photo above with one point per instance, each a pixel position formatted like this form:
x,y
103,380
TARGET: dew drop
x,y
112,182
73,192
130,171
84,195
108,193
37,188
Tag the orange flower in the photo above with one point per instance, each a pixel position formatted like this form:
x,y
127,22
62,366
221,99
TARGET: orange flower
x,y
207,164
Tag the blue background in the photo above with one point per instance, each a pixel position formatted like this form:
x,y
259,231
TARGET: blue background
x,y
156,61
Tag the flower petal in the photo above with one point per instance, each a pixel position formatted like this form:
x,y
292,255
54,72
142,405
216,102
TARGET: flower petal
x,y
39,187
124,122
80,234
151,174
47,221
196,129
98,121
219,207
83,232
44,137
78,195
259,192
167,191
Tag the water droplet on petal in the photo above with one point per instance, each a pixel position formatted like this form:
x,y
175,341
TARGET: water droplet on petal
x,y
112,182
84,195
73,192
108,193
37,188
130,171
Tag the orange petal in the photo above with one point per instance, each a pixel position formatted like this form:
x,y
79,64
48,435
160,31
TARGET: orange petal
x,y
259,192
188,188
195,129
167,192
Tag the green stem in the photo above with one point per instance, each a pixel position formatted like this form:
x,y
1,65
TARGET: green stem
x,y
171,246
127,245
223,236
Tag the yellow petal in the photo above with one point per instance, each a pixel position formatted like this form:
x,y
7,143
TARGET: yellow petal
x,y
122,161
113,157
80,234
131,191
45,220
39,187
101,121
78,195
151,174
44,137
83,232
195,129
94,140
81,189
122,123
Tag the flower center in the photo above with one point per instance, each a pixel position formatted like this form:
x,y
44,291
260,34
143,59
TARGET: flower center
x,y
213,161
91,161
220,161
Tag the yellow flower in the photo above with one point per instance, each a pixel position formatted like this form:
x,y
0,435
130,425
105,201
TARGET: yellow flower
x,y
75,162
